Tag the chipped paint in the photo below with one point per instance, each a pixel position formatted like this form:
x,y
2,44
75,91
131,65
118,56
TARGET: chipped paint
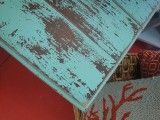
x,y
1,2
139,10
39,50
71,45
32,6
92,19
2,24
62,34
13,33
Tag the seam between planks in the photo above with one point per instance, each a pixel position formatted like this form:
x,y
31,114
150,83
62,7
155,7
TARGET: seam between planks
x,y
130,15
80,29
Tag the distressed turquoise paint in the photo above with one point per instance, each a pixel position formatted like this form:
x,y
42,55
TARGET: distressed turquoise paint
x,y
73,61
98,20
140,10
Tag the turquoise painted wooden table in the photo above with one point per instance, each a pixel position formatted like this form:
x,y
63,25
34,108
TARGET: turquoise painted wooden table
x,y
72,45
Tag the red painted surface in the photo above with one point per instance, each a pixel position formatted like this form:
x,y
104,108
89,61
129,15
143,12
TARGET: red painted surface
x,y
24,97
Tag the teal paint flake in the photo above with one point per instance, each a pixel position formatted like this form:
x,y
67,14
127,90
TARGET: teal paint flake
x,y
59,51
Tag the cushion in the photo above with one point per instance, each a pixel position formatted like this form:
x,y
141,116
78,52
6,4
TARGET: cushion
x,y
149,63
128,69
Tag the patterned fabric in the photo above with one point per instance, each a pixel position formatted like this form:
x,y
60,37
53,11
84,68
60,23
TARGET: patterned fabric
x,y
128,69
126,100
149,63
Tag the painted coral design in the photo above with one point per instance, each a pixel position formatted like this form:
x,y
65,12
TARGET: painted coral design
x,y
134,96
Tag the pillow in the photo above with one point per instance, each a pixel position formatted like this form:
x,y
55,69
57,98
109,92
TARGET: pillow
x,y
149,63
128,69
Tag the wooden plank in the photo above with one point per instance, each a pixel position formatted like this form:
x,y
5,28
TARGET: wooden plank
x,y
103,22
140,10
75,57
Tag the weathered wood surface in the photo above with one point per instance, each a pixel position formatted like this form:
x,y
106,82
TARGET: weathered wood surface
x,y
140,10
72,45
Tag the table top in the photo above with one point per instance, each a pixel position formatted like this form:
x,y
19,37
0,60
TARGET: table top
x,y
73,46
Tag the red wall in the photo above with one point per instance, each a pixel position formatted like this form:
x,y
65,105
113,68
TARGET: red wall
x,y
24,97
